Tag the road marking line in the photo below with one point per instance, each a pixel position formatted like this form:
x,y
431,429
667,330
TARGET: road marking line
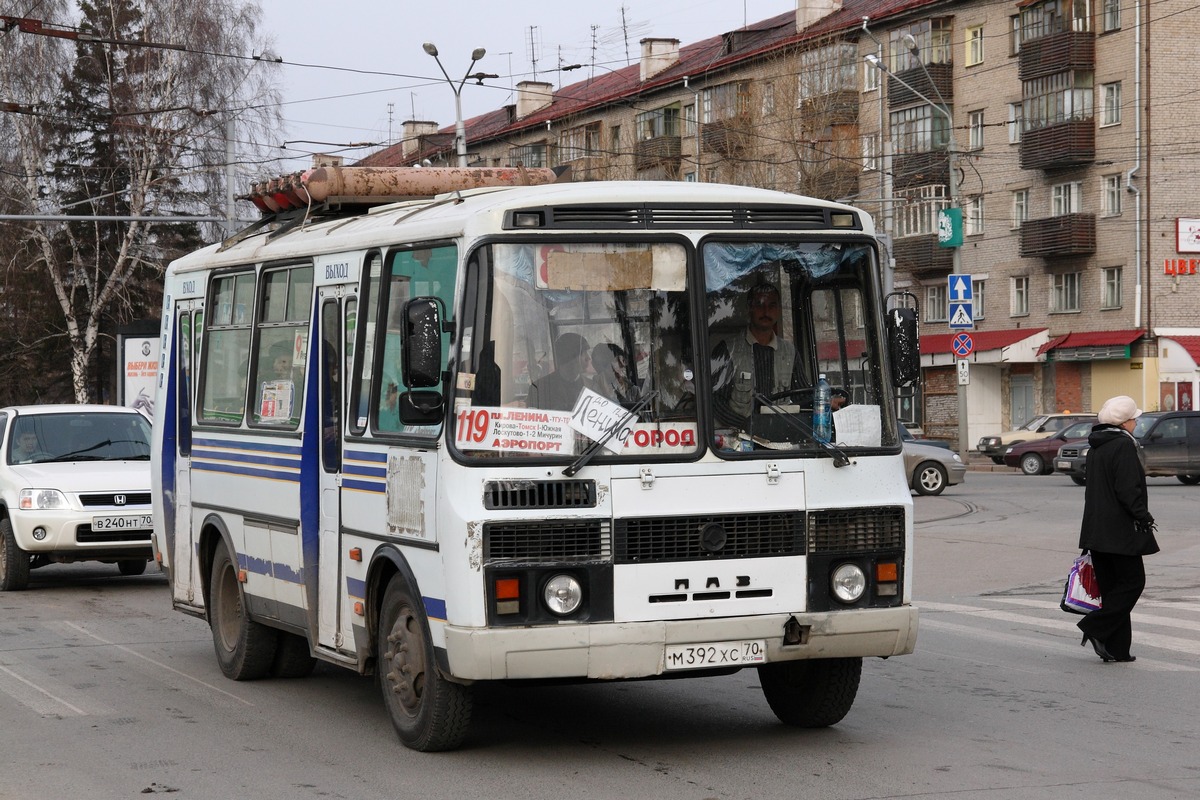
x,y
158,664
37,701
1148,619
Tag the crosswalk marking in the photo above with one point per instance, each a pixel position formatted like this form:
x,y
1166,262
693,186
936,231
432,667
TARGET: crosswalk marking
x,y
1144,635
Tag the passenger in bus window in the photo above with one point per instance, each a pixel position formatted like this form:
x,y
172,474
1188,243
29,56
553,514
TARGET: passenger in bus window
x,y
561,388
281,362
755,360
612,374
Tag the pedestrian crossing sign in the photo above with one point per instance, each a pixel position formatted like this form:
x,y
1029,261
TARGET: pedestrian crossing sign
x,y
960,316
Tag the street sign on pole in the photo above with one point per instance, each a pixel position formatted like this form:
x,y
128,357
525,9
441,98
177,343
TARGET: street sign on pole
x,y
964,372
963,345
962,299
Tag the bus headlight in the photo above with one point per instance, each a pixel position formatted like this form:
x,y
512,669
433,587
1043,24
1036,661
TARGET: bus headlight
x,y
848,583
563,595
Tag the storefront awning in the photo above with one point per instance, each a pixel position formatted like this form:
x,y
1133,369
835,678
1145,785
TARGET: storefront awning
x,y
1006,346
1088,345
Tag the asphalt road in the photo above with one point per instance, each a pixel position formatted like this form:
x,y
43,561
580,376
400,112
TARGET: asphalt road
x,y
106,692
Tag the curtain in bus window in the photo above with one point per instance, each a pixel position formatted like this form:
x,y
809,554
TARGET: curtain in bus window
x,y
417,272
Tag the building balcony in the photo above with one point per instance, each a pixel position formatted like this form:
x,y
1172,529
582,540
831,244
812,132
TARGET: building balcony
x,y
660,151
727,136
1056,237
911,170
1062,146
1065,51
921,255
942,85
834,108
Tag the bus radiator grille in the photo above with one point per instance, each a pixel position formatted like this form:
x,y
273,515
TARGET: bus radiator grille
x,y
855,530
539,494
552,540
706,537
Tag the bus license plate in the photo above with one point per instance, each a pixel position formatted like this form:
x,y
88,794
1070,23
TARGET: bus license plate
x,y
123,523
715,654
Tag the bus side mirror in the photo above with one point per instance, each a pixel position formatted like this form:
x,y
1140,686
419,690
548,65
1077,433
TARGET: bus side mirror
x,y
904,346
422,343
421,408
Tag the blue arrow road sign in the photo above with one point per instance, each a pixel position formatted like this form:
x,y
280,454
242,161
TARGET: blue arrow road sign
x,y
960,289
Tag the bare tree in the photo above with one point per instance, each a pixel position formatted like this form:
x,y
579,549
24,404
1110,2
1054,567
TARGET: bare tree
x,y
124,128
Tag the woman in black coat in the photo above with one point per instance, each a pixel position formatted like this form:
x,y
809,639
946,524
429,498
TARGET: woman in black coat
x,y
1117,528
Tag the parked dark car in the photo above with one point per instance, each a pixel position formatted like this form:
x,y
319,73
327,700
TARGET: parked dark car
x,y
1040,427
1037,457
906,435
1168,443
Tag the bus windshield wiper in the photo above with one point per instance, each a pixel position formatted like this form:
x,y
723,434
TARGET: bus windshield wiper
x,y
596,444
840,459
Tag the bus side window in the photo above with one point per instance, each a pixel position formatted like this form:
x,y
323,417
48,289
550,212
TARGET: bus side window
x,y
226,349
282,346
364,359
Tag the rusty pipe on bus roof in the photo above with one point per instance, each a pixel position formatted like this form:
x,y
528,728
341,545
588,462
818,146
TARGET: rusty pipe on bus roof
x,y
398,183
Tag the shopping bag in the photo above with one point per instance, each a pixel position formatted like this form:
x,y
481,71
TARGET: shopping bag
x,y
1081,595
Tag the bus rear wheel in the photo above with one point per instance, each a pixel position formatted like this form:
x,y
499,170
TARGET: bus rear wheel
x,y
245,648
429,712
811,694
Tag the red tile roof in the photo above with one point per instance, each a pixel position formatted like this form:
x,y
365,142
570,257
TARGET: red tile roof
x,y
1189,343
940,343
1091,339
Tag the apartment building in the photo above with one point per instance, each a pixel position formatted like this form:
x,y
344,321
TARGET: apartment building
x,y
1063,129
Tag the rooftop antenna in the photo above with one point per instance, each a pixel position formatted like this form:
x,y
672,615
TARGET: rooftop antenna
x,y
531,40
391,107
625,34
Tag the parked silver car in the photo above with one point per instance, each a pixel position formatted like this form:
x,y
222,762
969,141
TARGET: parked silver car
x,y
74,486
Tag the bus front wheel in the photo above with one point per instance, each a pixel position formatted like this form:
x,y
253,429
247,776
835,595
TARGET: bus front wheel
x,y
429,712
245,648
815,693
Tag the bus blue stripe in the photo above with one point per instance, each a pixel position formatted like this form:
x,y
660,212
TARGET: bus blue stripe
x,y
364,486
265,461
249,446
435,608
293,477
371,472
366,455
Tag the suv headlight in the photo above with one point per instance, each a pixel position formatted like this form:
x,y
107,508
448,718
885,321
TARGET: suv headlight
x,y
42,498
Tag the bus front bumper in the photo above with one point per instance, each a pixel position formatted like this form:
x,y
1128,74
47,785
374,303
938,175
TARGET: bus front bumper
x,y
638,649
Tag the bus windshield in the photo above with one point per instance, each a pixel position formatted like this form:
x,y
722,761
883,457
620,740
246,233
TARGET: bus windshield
x,y
574,345
562,341
780,316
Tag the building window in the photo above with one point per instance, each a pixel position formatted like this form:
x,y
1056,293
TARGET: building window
x,y
870,77
917,209
614,140
975,130
1111,115
1016,119
726,101
973,216
1014,34
919,130
1111,290
1055,16
934,44
579,142
1019,297
689,177
768,99
1020,207
1064,198
530,155
1064,292
1113,194
936,308
1058,98
659,122
977,291
974,45
870,151
826,70
1112,15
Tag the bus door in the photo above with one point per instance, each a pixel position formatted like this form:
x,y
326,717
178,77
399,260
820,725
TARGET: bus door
x,y
184,566
337,314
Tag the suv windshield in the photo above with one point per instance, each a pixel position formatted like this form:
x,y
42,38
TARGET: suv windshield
x,y
83,436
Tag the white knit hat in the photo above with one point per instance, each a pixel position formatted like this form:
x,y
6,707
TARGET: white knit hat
x,y
1117,410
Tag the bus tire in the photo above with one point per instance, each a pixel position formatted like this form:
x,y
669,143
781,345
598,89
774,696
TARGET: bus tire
x,y
813,693
292,657
14,562
245,648
429,712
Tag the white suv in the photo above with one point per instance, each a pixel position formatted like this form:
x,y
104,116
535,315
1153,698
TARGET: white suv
x,y
74,486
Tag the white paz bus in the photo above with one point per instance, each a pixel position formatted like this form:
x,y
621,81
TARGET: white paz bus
x,y
523,432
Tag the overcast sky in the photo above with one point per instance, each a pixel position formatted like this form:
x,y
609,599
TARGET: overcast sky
x,y
334,101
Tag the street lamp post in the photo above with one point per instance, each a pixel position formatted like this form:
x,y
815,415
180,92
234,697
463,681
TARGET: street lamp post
x,y
460,128
964,444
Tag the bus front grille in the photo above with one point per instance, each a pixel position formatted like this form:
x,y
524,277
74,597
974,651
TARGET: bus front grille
x,y
703,537
539,494
855,530
553,540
